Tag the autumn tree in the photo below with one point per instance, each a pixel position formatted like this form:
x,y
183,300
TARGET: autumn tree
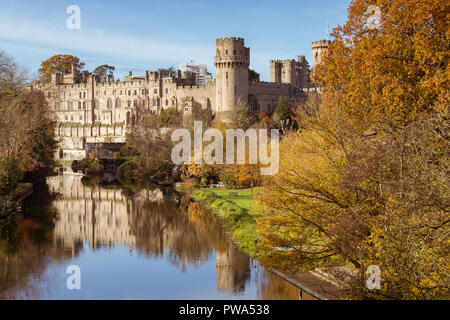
x,y
397,71
364,181
265,119
59,63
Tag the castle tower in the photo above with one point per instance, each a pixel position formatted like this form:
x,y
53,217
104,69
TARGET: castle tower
x,y
288,75
275,71
302,69
320,49
232,61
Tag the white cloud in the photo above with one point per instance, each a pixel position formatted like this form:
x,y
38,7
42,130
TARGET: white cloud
x,y
101,43
123,50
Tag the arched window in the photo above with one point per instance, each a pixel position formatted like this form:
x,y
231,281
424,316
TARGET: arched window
x,y
84,104
57,106
70,105
109,103
135,103
79,105
118,104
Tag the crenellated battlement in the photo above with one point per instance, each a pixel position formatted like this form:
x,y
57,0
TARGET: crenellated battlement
x,y
320,43
264,84
221,41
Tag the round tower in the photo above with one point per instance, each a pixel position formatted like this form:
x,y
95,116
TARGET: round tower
x,y
232,61
320,49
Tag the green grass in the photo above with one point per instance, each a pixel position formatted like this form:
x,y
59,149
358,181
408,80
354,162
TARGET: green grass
x,y
244,198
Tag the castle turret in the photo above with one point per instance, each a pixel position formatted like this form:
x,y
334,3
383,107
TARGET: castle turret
x,y
320,49
302,69
290,71
275,71
288,74
232,61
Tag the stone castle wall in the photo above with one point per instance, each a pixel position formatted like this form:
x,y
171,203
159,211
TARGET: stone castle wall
x,y
86,109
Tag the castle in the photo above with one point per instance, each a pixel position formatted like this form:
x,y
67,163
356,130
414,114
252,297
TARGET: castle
x,y
88,110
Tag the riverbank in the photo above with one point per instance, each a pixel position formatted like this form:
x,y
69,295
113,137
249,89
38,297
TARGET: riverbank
x,y
10,202
235,207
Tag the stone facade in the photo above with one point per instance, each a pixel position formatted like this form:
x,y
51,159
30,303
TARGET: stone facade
x,y
290,72
90,111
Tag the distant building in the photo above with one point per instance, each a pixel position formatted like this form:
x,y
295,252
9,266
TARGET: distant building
x,y
202,76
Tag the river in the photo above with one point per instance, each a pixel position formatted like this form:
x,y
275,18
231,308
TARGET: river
x,y
127,245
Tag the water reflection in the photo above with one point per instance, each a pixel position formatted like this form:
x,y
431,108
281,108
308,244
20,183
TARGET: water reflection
x,y
172,253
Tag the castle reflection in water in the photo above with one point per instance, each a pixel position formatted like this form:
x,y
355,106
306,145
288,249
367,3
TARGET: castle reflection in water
x,y
67,221
148,222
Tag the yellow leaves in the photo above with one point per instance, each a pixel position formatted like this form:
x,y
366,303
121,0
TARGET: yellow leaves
x,y
396,73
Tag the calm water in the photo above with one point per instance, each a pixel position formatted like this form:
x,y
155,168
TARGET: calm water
x,y
128,246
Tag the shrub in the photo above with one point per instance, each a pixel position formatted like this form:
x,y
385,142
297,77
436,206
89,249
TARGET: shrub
x,y
85,165
127,173
10,174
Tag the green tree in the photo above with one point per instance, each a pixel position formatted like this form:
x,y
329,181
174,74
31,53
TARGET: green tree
x,y
253,76
167,72
103,71
282,111
171,117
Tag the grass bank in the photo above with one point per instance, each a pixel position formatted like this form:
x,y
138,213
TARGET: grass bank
x,y
235,209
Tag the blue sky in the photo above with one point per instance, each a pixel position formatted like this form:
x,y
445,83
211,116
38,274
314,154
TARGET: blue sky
x,y
145,35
